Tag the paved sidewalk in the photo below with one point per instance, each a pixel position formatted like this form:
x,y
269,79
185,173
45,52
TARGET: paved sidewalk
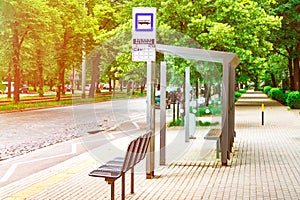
x,y
265,164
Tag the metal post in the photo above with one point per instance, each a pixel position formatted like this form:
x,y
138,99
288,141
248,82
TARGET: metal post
x,y
150,119
112,190
225,108
178,108
262,114
163,84
123,187
187,104
132,181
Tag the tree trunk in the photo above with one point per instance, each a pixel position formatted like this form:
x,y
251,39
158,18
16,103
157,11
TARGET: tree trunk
x,y
16,63
297,74
114,85
290,66
110,87
40,72
62,64
62,78
274,84
297,70
95,76
207,95
9,80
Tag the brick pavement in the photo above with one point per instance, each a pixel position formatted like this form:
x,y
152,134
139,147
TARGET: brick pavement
x,y
265,165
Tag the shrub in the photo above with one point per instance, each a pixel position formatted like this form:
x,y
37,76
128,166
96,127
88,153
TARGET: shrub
x,y
200,123
278,95
208,111
243,90
293,100
40,92
177,122
259,89
237,95
267,89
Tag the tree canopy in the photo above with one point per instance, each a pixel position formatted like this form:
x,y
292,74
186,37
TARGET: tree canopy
x,y
43,41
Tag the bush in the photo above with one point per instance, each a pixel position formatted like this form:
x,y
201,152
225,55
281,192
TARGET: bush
x,y
177,122
293,100
278,95
237,95
40,92
259,89
200,123
208,111
243,90
267,89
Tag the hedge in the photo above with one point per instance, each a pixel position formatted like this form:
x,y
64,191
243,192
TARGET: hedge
x,y
267,89
293,100
279,95
237,95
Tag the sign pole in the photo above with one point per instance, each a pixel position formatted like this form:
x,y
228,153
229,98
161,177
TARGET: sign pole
x,y
144,50
150,158
163,85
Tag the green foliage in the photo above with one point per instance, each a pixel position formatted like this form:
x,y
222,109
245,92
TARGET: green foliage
x,y
179,122
200,123
267,89
40,92
210,110
259,89
237,95
2,87
293,100
279,95
286,40
51,34
243,90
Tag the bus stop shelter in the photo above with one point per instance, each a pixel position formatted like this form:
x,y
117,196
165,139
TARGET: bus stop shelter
x,y
229,61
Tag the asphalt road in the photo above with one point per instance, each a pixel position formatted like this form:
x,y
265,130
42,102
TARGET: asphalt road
x,y
95,124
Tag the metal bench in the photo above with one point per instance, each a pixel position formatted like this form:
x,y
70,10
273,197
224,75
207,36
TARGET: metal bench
x,y
215,134
117,167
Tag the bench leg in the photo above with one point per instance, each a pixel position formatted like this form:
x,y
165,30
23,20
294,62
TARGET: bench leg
x,y
123,186
132,181
112,190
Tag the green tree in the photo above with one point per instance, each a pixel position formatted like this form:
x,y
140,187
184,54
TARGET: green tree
x,y
21,20
69,39
242,27
287,39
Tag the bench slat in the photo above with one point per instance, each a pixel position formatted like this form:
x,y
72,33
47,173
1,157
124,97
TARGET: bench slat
x,y
114,169
213,134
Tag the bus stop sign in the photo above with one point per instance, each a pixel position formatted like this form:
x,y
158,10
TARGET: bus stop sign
x,y
143,34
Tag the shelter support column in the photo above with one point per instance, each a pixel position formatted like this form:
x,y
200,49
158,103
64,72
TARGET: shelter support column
x,y
187,105
225,107
231,119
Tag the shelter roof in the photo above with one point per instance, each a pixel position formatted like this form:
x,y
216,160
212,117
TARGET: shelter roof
x,y
200,54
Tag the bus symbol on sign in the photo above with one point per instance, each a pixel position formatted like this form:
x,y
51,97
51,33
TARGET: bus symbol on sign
x,y
144,22
147,22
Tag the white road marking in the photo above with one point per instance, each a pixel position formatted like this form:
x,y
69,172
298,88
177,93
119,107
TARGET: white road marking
x,y
12,169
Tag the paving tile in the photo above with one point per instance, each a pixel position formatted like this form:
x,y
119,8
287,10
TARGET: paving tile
x,y
264,165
